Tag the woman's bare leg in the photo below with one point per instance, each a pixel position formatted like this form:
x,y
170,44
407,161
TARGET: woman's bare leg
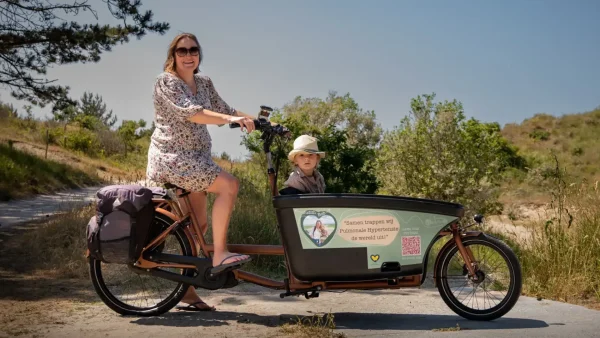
x,y
226,187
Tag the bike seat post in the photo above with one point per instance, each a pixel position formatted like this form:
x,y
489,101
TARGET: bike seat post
x,y
177,197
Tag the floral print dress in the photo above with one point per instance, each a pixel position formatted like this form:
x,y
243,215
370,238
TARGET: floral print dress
x,y
180,150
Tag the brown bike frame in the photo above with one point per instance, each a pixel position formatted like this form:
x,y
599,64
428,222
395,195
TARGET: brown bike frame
x,y
171,208
199,245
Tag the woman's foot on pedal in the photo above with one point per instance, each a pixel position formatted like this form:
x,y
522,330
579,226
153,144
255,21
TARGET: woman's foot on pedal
x,y
228,261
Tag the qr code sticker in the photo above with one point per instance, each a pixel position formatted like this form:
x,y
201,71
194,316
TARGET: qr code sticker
x,y
411,246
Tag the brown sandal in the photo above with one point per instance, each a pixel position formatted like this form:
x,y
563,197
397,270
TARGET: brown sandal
x,y
193,307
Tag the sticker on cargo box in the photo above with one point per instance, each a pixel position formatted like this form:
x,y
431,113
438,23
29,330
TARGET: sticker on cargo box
x,y
356,230
320,227
411,245
389,236
377,230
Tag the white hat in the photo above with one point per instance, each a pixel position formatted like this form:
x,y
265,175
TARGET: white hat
x,y
305,144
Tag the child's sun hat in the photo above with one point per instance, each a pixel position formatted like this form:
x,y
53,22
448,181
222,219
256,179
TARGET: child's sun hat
x,y
305,144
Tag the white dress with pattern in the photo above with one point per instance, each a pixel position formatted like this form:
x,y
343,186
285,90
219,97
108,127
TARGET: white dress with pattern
x,y
180,150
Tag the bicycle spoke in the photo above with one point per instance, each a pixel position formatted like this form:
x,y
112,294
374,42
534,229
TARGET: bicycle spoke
x,y
478,294
141,291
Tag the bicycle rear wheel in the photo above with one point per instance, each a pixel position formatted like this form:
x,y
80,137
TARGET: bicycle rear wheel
x,y
129,293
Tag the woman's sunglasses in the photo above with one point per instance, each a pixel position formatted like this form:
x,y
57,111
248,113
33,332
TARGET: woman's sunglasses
x,y
181,51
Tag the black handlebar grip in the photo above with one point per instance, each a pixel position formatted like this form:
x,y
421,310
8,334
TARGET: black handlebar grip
x,y
237,125
264,125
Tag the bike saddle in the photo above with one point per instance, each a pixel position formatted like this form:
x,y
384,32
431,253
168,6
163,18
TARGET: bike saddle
x,y
172,186
175,187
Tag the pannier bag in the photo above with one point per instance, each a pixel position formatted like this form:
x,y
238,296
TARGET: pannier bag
x,y
120,229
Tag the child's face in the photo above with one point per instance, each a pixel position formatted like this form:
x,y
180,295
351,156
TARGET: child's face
x,y
306,162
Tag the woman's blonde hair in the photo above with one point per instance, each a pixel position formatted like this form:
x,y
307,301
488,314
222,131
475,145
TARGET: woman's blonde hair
x,y
170,65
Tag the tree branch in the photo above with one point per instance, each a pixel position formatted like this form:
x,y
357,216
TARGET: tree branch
x,y
32,39
75,6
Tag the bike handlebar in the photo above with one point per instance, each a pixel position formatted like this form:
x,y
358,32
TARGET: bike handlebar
x,y
266,127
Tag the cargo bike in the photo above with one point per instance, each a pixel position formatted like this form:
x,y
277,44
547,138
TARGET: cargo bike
x,y
328,242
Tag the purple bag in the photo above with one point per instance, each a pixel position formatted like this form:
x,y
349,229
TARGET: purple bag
x,y
119,230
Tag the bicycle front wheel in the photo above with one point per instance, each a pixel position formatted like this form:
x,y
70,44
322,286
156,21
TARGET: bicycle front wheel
x,y
130,293
495,290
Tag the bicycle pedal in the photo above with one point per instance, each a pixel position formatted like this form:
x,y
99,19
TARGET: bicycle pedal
x,y
225,271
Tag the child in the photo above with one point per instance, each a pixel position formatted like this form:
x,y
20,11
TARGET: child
x,y
305,178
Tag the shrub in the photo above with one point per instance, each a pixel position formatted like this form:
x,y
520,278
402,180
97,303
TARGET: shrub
x,y
436,153
82,140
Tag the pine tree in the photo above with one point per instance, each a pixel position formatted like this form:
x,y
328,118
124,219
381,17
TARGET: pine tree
x,y
35,35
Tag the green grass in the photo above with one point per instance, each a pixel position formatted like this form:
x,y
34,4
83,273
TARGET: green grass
x,y
573,138
563,261
23,175
57,245
449,329
103,146
315,326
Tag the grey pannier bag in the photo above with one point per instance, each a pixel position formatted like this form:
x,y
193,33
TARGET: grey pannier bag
x,y
119,230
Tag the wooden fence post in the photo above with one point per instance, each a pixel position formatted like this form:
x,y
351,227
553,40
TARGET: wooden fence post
x,y
47,142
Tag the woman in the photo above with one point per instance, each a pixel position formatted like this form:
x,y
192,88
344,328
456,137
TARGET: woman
x,y
319,233
180,149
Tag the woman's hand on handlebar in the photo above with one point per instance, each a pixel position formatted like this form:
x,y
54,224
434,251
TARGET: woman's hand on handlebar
x,y
244,122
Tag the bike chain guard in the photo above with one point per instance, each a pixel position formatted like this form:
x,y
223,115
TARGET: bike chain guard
x,y
203,278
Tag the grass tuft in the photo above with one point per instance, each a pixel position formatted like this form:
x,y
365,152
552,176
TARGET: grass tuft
x,y
315,326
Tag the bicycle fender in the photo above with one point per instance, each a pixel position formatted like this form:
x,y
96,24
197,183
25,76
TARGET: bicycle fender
x,y
167,213
451,242
187,231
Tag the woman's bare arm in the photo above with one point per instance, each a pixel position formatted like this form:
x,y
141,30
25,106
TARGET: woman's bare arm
x,y
206,116
240,113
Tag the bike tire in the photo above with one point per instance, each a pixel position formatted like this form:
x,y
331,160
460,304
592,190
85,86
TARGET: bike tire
x,y
123,308
514,290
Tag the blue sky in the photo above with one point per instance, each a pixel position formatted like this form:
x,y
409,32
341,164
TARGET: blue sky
x,y
504,60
